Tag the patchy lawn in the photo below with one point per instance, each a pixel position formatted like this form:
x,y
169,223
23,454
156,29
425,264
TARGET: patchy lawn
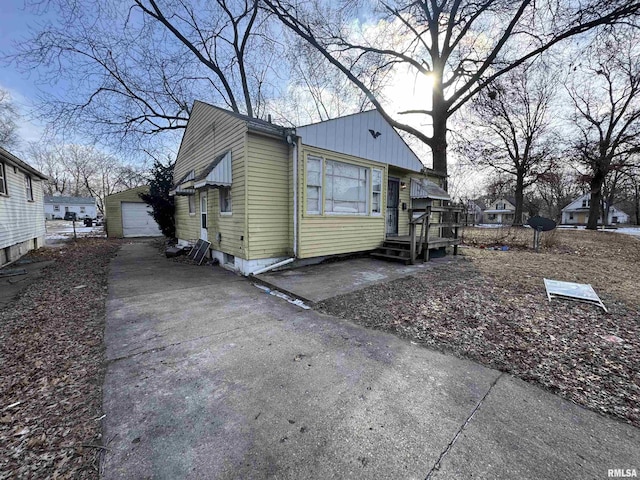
x,y
51,352
491,306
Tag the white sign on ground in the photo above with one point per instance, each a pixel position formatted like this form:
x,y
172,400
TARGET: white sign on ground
x,y
582,292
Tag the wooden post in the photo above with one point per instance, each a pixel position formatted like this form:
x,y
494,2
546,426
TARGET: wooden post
x,y
412,241
456,219
426,233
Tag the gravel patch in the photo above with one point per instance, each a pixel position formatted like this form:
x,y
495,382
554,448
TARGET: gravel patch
x,y
51,352
491,307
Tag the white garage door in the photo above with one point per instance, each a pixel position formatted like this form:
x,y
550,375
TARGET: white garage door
x,y
137,221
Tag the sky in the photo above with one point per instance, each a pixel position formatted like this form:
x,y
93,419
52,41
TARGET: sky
x,y
15,22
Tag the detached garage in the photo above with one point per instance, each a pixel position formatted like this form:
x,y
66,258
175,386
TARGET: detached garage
x,y
128,216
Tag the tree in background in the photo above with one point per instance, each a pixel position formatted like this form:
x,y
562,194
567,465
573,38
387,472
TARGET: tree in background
x,y
606,117
510,128
134,70
84,171
461,46
159,199
8,125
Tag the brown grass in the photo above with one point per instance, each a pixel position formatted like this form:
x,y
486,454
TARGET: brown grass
x,y
491,306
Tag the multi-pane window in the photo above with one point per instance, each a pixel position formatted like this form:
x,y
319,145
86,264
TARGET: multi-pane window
x,y
192,204
376,190
56,208
3,179
346,188
314,185
28,187
82,210
225,199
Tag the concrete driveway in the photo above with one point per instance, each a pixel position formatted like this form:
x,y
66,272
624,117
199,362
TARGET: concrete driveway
x,y
209,377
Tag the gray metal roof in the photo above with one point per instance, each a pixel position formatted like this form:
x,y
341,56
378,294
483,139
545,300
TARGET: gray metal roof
x,y
58,200
254,124
424,188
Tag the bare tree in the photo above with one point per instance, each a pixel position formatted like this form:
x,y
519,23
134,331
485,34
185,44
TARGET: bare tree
x,y
8,125
509,128
134,71
462,45
607,114
557,188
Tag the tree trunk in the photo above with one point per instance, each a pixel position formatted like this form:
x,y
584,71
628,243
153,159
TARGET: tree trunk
x,y
517,216
595,199
439,147
637,204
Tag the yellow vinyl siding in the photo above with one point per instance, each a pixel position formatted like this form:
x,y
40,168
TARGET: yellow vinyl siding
x,y
210,132
321,235
268,184
113,209
188,225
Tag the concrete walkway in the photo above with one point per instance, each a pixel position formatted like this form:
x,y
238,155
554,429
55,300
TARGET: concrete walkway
x,y
209,377
315,283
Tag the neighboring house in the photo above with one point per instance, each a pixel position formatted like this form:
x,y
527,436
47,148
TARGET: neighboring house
x,y
577,213
128,216
261,193
501,212
474,211
21,208
55,207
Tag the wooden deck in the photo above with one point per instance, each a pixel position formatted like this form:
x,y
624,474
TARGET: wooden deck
x,y
432,242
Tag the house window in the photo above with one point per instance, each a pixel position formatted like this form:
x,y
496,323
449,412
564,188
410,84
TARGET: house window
x,y
376,187
501,206
571,216
346,189
314,185
614,220
225,199
56,208
192,204
492,216
3,179
29,187
82,209
586,202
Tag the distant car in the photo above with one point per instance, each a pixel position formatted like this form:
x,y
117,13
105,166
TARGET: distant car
x,y
70,216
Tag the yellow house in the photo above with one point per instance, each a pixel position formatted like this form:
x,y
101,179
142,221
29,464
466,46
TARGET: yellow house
x,y
262,194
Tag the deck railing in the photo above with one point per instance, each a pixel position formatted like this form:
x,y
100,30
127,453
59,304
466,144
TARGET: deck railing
x,y
448,224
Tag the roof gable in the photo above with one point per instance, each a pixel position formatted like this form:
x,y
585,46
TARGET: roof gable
x,y
57,200
366,135
577,203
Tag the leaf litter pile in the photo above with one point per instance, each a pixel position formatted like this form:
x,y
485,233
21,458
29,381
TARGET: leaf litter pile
x,y
51,352
491,306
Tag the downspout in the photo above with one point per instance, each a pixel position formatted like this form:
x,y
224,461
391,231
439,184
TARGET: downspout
x,y
292,139
275,265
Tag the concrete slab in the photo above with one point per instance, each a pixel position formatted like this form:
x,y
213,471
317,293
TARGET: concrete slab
x,y
521,431
320,282
208,377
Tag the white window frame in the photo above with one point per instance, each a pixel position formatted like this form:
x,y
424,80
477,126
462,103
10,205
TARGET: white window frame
x,y
56,208
367,187
3,179
319,186
28,185
83,210
225,192
374,172
191,200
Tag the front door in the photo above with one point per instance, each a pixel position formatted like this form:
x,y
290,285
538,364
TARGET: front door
x,y
393,202
203,216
